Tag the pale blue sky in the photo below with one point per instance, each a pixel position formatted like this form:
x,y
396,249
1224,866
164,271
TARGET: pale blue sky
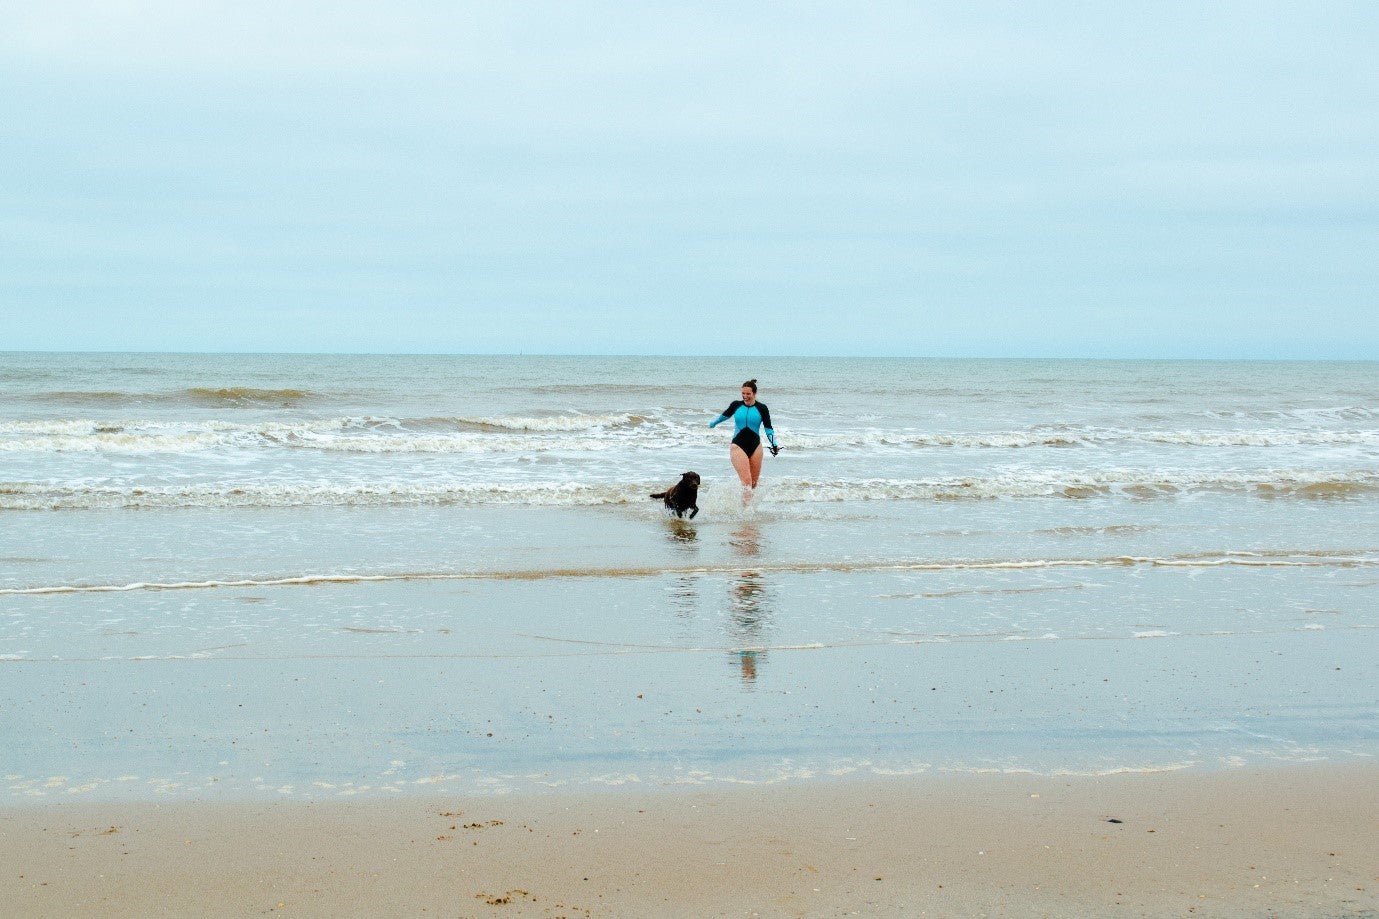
x,y
1078,179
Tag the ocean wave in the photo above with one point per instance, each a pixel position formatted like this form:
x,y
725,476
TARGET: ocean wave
x,y
1274,438
1111,484
246,395
577,433
198,396
37,496
585,433
617,389
90,397
1312,415
554,423
1298,485
1072,437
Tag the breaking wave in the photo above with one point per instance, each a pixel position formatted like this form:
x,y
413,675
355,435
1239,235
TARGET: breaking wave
x,y
349,435
580,432
200,396
246,395
17,496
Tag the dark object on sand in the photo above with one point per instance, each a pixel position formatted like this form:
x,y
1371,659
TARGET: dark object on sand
x,y
683,495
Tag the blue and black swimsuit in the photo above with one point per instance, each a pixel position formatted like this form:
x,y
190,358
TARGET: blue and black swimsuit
x,y
748,420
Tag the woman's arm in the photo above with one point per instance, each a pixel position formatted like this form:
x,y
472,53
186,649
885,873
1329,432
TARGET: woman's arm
x,y
766,425
727,413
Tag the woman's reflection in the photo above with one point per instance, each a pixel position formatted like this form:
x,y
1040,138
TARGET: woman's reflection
x,y
751,613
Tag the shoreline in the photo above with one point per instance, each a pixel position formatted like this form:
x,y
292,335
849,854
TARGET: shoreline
x,y
1289,840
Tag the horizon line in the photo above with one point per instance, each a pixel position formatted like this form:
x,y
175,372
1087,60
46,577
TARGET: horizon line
x,y
628,354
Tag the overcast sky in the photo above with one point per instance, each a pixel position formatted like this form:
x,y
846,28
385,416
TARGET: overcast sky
x,y
1081,179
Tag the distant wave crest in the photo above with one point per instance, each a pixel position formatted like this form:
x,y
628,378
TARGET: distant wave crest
x,y
247,395
198,396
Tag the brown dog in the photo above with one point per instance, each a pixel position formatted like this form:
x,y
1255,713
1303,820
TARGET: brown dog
x,y
683,495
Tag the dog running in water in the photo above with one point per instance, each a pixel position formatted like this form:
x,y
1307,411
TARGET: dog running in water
x,y
683,495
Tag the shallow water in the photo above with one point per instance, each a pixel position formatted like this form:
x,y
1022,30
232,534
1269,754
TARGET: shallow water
x,y
247,590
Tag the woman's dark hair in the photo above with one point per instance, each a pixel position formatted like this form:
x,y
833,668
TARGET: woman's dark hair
x,y
752,383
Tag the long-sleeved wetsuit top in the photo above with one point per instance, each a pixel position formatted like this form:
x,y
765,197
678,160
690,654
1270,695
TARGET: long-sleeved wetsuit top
x,y
747,420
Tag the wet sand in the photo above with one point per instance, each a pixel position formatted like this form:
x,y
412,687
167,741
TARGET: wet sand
x,y
1295,841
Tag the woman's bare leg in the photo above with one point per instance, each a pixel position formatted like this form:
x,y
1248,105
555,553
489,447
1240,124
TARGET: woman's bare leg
x,y
755,464
742,465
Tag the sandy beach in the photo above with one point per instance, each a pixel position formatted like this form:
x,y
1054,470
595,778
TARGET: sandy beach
x,y
1286,842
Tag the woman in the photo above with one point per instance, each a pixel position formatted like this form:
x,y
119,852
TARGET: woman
x,y
749,416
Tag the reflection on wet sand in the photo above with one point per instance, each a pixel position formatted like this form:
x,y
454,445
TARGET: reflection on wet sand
x,y
681,531
684,595
751,606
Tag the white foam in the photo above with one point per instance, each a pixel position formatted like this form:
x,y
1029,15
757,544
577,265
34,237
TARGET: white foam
x,y
580,432
577,422
44,495
347,434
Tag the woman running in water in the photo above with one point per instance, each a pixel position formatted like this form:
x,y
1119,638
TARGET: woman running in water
x,y
749,416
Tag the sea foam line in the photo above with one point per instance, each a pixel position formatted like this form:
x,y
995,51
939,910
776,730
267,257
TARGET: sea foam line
x,y
1311,559
1302,484
583,432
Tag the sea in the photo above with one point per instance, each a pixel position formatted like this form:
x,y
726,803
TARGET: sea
x,y
313,576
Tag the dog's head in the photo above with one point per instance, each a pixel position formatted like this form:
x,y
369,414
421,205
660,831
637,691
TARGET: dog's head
x,y
690,479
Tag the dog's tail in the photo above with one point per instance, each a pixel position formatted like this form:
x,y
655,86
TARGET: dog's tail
x,y
661,495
